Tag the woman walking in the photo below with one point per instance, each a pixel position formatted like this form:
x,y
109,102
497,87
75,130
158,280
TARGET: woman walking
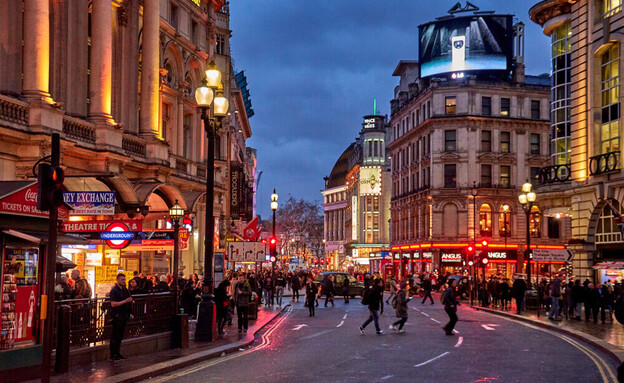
x,y
311,291
401,308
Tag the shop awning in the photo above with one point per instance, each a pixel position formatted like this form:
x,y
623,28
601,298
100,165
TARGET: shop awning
x,y
41,237
63,264
609,265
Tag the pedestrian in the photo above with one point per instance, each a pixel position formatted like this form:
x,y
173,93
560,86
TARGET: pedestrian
x,y
243,293
518,288
311,290
268,291
555,294
81,288
374,297
377,279
280,284
449,300
401,308
393,289
504,294
345,288
121,308
181,281
426,285
329,290
162,286
578,296
592,302
295,284
222,302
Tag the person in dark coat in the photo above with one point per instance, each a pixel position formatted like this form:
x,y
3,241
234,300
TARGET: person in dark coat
x,y
162,286
426,285
505,294
519,287
592,302
375,297
311,291
450,306
329,290
401,308
222,301
188,299
295,284
121,308
345,288
578,297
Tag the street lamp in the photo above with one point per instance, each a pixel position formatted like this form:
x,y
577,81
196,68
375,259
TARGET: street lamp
x,y
274,208
213,109
474,192
526,199
176,213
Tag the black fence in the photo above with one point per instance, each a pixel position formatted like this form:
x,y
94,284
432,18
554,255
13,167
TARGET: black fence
x,y
91,318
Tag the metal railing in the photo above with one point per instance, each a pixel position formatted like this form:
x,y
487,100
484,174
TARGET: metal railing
x,y
91,319
604,163
554,173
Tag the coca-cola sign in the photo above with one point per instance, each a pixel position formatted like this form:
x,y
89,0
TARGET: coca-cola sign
x,y
23,201
30,195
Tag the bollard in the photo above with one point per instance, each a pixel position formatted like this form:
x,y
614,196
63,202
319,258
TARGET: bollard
x,y
63,329
180,333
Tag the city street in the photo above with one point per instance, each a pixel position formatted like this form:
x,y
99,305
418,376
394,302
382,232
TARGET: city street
x,y
329,347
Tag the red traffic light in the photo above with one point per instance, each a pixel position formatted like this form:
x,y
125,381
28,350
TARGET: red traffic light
x,y
484,243
485,261
273,241
470,249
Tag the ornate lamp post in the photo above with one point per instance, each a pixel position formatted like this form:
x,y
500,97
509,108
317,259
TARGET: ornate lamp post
x,y
213,109
526,199
274,208
474,192
176,213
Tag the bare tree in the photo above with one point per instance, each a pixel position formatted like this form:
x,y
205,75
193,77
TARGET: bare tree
x,y
301,221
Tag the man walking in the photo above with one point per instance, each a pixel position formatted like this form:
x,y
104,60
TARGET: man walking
x,y
280,284
555,294
295,284
450,306
427,288
519,287
374,297
121,308
401,309
393,289
243,293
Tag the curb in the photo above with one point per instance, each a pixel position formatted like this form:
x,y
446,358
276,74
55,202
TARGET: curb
x,y
617,353
188,360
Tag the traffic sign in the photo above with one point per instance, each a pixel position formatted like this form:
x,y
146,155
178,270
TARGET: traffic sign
x,y
117,227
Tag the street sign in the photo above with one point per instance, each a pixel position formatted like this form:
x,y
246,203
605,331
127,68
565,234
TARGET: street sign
x,y
552,255
243,251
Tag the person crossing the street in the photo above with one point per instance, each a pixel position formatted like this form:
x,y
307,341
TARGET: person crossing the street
x,y
401,308
450,306
427,287
374,297
311,290
394,287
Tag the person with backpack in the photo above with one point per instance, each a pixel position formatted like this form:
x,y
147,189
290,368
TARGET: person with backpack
x,y
393,289
449,300
373,299
399,303
345,288
311,291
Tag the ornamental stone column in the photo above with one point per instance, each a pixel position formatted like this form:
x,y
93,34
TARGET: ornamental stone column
x,y
150,76
100,94
36,85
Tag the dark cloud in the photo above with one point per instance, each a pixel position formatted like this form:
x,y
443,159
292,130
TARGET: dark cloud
x,y
314,68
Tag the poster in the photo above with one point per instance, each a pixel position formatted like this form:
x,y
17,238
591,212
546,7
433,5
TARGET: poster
x,y
22,262
105,274
25,307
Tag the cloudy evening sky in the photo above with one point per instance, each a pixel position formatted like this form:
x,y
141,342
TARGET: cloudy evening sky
x,y
314,68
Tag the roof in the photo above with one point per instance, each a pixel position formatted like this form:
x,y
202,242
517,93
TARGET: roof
x,y
338,175
401,66
542,79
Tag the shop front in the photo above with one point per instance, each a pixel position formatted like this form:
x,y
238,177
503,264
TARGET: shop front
x,y
452,262
501,263
610,271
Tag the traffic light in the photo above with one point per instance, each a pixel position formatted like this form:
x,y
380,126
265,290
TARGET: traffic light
x,y
50,180
484,253
273,246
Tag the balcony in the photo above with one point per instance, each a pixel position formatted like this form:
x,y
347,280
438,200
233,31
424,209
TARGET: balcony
x,y
13,110
604,163
554,173
79,130
133,146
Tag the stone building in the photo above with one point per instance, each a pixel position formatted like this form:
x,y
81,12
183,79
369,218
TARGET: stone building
x,y
586,62
117,80
461,148
356,200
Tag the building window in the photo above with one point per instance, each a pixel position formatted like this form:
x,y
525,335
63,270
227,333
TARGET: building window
x,y
173,17
164,126
505,142
535,175
535,143
561,94
611,7
535,109
607,230
220,44
376,148
486,140
505,176
450,176
504,221
187,144
553,227
450,140
486,176
505,107
610,91
486,106
535,222
485,220
451,105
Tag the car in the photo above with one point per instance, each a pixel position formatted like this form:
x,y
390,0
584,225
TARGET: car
x,y
355,288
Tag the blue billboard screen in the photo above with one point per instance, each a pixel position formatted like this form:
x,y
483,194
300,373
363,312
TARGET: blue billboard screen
x,y
464,44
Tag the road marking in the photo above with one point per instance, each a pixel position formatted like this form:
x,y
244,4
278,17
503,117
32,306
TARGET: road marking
x,y
435,320
415,309
456,332
424,313
318,334
265,342
460,340
299,327
432,359
345,316
488,327
341,323
387,377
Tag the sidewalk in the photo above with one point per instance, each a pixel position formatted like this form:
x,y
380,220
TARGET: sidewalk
x,y
608,336
148,365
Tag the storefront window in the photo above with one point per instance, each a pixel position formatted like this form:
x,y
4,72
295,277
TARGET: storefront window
x,y
504,220
535,222
485,220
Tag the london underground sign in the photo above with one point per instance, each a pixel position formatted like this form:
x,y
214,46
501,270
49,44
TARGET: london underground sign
x,y
119,235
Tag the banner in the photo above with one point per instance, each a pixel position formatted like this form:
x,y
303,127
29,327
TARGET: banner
x,y
236,171
24,202
90,203
98,226
370,181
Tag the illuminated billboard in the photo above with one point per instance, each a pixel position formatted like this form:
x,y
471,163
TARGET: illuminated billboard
x,y
370,181
464,44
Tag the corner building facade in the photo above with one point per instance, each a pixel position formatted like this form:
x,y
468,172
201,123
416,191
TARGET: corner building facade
x,y
461,150
587,45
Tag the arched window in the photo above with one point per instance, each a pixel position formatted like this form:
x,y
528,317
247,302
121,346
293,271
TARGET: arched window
x,y
485,220
504,221
535,222
451,220
607,230
170,76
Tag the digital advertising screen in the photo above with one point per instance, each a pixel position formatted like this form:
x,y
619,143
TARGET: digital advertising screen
x,y
465,44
